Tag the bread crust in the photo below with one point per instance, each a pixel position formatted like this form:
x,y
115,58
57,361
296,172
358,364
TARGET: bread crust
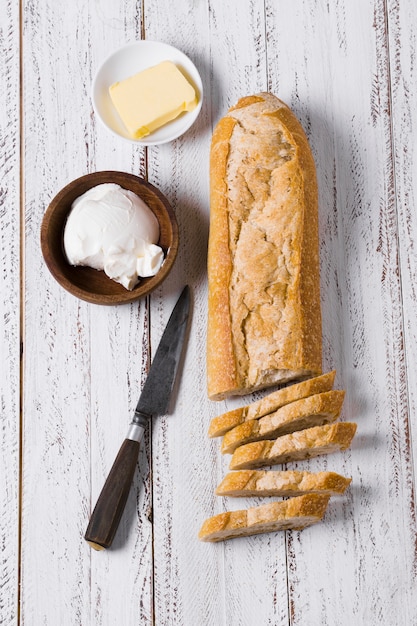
x,y
293,514
258,483
296,446
264,318
322,408
223,423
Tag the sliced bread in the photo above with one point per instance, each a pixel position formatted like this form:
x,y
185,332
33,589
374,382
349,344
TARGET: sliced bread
x,y
286,483
296,446
322,408
295,514
222,423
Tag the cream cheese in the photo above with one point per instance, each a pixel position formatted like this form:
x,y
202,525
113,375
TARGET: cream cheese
x,y
110,228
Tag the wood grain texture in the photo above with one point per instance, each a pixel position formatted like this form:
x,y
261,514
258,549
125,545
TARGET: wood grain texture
x,y
361,285
348,71
10,340
180,169
91,360
403,55
229,582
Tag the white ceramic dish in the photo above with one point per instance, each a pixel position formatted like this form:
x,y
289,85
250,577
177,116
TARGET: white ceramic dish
x,y
129,60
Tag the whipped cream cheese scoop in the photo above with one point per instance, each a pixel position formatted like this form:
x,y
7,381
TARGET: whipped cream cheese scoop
x,y
111,229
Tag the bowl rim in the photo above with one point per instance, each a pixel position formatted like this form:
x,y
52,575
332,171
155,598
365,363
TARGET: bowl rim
x,y
125,296
173,54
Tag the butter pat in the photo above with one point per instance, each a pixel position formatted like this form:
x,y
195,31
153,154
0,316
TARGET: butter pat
x,y
152,98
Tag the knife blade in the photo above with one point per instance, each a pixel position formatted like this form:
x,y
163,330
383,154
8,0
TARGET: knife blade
x,y
153,401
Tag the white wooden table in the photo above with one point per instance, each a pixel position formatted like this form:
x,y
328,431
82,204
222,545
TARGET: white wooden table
x,y
71,372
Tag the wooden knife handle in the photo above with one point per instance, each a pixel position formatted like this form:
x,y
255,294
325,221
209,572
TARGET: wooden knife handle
x,y
110,505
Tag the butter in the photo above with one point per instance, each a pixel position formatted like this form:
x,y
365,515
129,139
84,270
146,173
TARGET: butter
x,y
152,98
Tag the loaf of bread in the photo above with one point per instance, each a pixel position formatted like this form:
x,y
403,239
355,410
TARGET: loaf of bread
x,y
322,408
286,483
295,514
222,423
264,318
297,446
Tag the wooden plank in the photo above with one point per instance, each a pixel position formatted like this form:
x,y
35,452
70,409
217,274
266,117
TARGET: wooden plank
x,y
403,53
338,79
9,310
179,481
85,363
57,398
121,578
401,21
242,582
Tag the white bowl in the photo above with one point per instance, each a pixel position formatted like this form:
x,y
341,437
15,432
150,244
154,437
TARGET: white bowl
x,y
129,60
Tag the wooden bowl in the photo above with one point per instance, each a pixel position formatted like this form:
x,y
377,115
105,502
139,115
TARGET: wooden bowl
x,y
87,283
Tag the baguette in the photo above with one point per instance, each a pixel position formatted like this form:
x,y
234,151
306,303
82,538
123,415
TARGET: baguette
x,y
222,423
287,483
264,316
297,446
316,410
294,514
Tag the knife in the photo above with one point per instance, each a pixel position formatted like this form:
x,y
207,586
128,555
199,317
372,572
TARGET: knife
x,y
153,401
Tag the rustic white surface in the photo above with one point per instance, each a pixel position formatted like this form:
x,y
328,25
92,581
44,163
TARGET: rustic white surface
x,y
9,311
348,70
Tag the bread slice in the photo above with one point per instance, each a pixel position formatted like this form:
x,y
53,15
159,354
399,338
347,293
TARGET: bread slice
x,y
316,410
293,514
287,483
222,423
264,315
296,446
